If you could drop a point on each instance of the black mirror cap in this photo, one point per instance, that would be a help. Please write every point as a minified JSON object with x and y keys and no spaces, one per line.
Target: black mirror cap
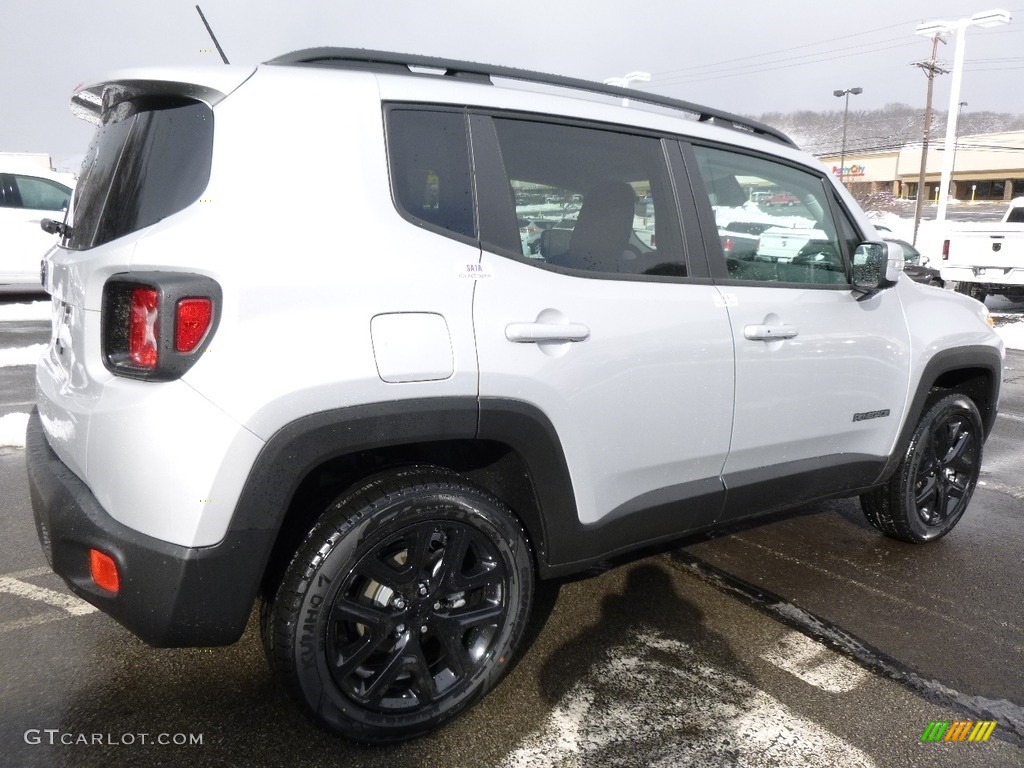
{"x":51,"y":227}
{"x":877,"y":265}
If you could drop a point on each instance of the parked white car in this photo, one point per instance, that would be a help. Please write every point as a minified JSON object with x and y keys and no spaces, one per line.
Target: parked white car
{"x":26,"y":198}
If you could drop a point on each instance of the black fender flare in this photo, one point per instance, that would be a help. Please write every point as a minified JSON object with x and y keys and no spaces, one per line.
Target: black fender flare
{"x":299,"y":447}
{"x":944,"y":362}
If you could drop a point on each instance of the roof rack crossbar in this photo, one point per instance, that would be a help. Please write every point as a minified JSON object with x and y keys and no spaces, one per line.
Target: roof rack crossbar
{"x":365,"y":58}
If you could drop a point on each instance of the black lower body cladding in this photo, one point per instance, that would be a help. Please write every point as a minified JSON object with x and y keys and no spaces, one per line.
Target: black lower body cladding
{"x":170,"y":596}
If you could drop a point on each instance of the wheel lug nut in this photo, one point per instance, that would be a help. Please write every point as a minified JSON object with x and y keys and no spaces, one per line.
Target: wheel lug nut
{"x":437,"y":606}
{"x":400,"y":630}
{"x":423,"y":629}
{"x":398,"y":603}
{"x":422,"y":590}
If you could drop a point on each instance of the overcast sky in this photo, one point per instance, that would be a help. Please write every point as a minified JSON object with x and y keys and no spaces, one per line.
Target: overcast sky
{"x":745,"y":56}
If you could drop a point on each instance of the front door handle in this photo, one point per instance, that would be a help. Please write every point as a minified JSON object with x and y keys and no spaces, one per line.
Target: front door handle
{"x":770,"y":332}
{"x":533,"y":333}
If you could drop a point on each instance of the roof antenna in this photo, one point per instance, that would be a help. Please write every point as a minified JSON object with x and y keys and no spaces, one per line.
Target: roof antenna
{"x":212,"y":36}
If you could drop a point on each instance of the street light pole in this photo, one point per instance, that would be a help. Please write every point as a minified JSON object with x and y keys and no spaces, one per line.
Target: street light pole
{"x":846,"y":112}
{"x":956,"y":137}
{"x":991,"y":18}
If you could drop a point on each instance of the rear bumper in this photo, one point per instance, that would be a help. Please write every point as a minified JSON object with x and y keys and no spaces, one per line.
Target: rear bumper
{"x":1009,"y":276}
{"x":170,"y":596}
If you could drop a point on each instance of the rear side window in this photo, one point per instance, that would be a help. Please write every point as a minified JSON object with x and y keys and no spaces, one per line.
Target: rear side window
{"x":150,"y":158}
{"x":430,"y":178}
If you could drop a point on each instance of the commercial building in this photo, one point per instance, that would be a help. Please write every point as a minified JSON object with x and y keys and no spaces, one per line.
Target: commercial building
{"x":987,"y":166}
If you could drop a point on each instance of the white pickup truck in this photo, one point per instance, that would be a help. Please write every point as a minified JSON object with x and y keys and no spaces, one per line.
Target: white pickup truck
{"x":987,"y":259}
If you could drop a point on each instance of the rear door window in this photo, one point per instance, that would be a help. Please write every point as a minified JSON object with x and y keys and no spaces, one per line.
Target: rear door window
{"x":586,"y":199}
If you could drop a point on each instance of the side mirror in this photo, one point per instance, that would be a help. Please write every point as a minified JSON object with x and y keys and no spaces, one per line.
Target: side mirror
{"x":50,"y":226}
{"x":876,"y":266}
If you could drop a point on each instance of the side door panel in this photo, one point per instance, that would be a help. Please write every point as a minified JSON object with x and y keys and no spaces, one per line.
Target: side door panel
{"x":821,"y":378}
{"x":634,"y":372}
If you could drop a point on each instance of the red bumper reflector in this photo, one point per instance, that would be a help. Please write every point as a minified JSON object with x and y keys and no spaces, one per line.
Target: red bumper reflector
{"x":192,"y":322}
{"x":104,"y":571}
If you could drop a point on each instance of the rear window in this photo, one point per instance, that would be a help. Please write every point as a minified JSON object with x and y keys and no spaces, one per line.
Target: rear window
{"x":150,"y":158}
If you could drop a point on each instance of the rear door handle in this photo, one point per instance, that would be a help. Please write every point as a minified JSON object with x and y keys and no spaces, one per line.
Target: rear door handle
{"x":532,"y":333}
{"x":770,"y":332}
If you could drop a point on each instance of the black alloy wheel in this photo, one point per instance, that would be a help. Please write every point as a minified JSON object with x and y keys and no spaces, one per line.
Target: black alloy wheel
{"x":416,"y":616}
{"x":934,"y":482}
{"x":403,"y":607}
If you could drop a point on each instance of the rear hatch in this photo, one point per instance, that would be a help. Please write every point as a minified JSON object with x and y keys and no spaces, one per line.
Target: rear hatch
{"x":149,"y":159}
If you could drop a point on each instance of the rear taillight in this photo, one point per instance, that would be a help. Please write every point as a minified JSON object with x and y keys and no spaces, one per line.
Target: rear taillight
{"x":143,"y":327}
{"x":945,"y":250}
{"x":154,"y":324}
{"x":728,"y":244}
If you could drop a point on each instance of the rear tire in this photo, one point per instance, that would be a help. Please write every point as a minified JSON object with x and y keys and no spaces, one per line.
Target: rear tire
{"x":974,"y":290}
{"x":405,"y":605}
{"x":933,"y":484}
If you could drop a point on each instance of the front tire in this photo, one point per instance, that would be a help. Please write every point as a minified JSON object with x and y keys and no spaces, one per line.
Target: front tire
{"x":933,"y":484}
{"x":404,"y":606}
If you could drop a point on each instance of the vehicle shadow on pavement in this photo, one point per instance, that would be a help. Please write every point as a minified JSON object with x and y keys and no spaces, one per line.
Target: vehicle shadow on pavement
{"x":641,"y":676}
{"x":112,"y":690}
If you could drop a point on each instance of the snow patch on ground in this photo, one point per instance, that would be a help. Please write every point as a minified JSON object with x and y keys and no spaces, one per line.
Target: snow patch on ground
{"x":722,"y":719}
{"x":1013,"y":335}
{"x":26,"y":312}
{"x":12,"y":430}
{"x":21,"y":355}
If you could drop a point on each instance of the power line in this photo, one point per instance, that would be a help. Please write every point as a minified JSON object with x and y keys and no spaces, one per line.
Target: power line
{"x":751,"y":69}
{"x":782,"y":50}
{"x":735,"y":67}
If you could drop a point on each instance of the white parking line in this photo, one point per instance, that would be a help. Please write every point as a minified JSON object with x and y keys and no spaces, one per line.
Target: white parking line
{"x":31,"y":573}
{"x":31,"y":621}
{"x":64,"y":601}
{"x":815,"y":664}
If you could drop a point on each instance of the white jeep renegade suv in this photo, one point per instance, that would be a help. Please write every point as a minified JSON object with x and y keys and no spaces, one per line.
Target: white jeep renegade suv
{"x":301,"y":356}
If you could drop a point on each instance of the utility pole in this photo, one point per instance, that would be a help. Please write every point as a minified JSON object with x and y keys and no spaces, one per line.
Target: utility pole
{"x":931,"y":68}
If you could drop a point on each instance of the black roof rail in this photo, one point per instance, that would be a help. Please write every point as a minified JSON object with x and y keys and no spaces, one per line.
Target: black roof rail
{"x":361,"y":58}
